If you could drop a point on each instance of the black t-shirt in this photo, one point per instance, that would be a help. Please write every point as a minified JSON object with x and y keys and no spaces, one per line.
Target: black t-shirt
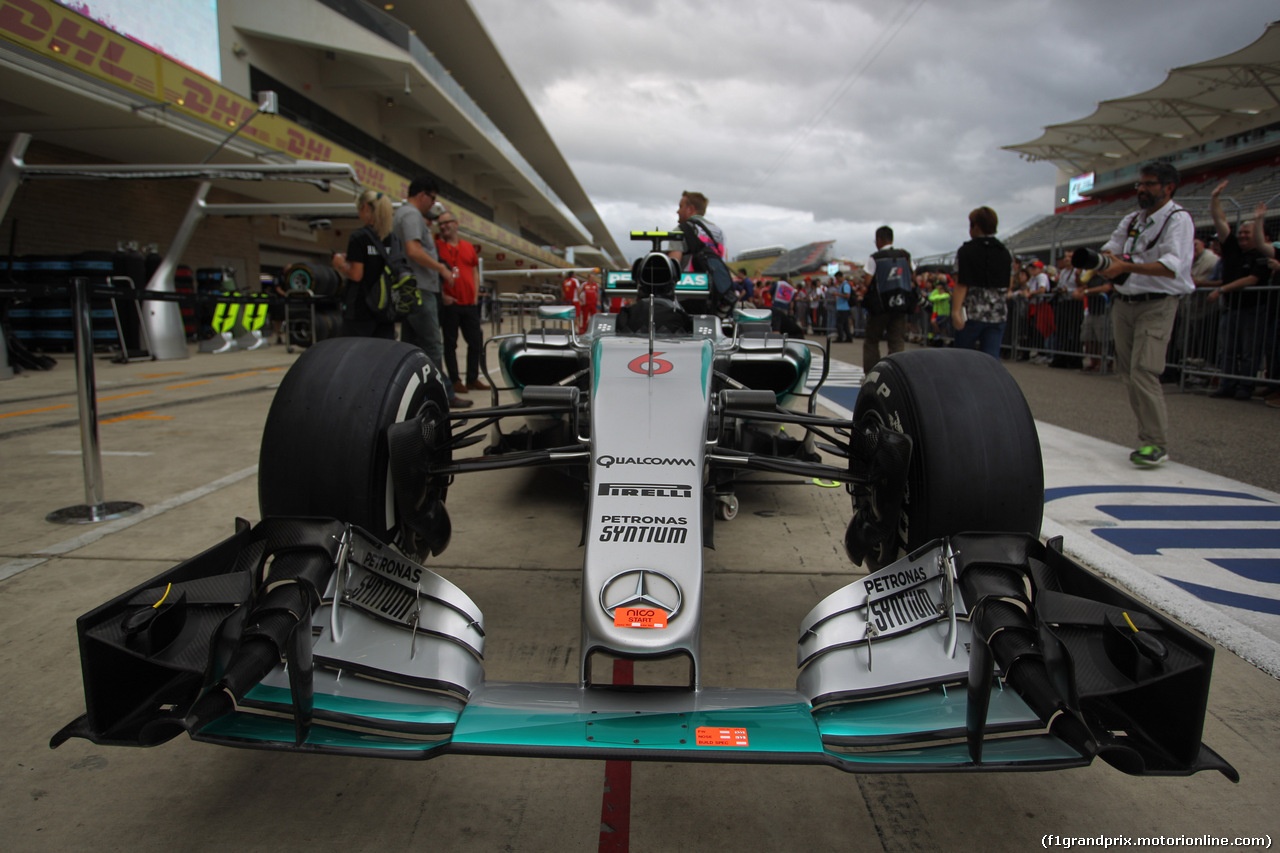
{"x":1236,"y":264}
{"x":984,"y":262}
{"x":361,"y":250}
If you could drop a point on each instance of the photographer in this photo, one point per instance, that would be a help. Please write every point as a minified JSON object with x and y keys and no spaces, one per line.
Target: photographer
{"x":1148,"y":259}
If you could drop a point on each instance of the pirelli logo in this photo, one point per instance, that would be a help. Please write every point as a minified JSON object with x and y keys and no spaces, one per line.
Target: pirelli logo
{"x":644,"y":490}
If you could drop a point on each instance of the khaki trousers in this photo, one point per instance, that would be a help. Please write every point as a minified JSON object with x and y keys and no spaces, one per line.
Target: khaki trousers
{"x":891,"y":327}
{"x":1142,"y":331}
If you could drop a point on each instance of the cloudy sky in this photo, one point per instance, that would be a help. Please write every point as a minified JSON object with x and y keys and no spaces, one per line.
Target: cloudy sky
{"x":813,"y":120}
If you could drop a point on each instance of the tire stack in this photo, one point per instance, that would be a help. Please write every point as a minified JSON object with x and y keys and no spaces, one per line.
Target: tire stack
{"x":53,"y":327}
{"x":97,"y":267}
{"x":306,"y":279}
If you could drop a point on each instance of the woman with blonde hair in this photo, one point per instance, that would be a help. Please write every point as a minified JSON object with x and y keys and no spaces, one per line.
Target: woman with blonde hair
{"x":362,"y":266}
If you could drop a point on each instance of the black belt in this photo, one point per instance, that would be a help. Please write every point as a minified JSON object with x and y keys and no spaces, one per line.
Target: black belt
{"x":1140,"y":297}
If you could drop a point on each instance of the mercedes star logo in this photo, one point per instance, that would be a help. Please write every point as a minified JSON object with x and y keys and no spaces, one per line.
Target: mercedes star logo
{"x":650,"y":589}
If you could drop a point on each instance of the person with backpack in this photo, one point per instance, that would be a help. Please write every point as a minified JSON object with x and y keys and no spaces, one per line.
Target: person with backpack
{"x":363,"y":265}
{"x":704,"y":251}
{"x":889,"y":297}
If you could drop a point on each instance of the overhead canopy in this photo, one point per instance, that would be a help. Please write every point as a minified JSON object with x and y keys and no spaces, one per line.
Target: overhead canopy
{"x":1195,"y":104}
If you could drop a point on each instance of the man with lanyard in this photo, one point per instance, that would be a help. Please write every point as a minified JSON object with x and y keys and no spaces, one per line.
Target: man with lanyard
{"x":889,"y":296}
{"x":1153,"y":246}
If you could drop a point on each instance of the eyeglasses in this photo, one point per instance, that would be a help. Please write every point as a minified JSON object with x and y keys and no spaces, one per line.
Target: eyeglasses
{"x":1144,"y":184}
{"x":444,"y":222}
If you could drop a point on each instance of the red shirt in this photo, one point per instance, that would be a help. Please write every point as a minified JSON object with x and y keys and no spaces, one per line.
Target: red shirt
{"x":569,"y":290}
{"x":464,"y":260}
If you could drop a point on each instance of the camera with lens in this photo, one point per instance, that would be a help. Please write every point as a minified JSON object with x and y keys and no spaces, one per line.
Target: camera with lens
{"x":1090,"y":261}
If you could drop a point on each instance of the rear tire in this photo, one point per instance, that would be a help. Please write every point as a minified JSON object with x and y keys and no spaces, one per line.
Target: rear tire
{"x":324,"y":447}
{"x":975,"y":461}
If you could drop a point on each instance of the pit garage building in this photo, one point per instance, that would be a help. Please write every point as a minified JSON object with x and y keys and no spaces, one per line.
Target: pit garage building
{"x":393,"y":91}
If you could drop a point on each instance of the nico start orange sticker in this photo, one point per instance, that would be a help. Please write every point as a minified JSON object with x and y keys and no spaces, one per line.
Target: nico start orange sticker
{"x":639,"y":617}
{"x":709,"y":736}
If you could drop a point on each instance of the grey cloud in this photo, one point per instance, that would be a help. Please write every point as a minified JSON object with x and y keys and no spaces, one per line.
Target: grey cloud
{"x":648,"y":99}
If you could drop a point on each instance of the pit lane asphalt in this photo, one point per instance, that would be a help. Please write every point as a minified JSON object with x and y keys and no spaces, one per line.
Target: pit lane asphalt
{"x":514,"y":552}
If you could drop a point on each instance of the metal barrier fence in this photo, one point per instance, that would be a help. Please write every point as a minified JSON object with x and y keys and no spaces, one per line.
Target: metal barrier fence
{"x":1234,"y":338}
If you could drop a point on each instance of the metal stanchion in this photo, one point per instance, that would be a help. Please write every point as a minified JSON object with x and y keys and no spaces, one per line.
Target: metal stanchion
{"x":6,"y":372}
{"x":94,"y":508}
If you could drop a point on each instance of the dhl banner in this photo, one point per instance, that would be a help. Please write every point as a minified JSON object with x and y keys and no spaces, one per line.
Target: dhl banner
{"x":53,"y":31}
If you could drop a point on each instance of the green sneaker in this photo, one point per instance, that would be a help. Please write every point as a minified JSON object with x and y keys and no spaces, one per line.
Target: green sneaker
{"x":1149,"y":456}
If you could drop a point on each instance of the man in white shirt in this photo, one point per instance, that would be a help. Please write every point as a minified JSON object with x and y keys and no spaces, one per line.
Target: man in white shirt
{"x":1150,"y":256}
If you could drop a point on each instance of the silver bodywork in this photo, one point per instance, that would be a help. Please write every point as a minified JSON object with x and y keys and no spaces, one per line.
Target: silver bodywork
{"x":645,"y":492}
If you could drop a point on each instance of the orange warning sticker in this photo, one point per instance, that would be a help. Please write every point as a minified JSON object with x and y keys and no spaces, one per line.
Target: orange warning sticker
{"x":639,"y":617}
{"x":710,"y":736}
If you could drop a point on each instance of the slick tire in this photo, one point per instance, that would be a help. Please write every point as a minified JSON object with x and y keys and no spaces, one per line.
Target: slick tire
{"x":975,"y":460}
{"x":324,"y":447}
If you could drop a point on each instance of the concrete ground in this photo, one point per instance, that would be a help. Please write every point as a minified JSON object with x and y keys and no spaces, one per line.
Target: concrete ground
{"x":197,"y":422}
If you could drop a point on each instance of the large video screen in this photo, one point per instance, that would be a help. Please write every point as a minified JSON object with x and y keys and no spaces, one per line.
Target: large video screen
{"x":185,"y":30}
{"x":1079,"y":185}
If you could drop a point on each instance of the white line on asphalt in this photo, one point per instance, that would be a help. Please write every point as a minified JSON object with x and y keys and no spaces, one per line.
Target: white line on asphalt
{"x":13,"y":567}
{"x":101,"y":453}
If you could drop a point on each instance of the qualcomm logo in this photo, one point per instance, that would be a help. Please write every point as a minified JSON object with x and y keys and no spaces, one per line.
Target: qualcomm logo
{"x":1221,"y":546}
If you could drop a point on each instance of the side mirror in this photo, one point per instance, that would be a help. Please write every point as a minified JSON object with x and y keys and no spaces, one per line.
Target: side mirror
{"x":557,"y":312}
{"x":752,"y":315}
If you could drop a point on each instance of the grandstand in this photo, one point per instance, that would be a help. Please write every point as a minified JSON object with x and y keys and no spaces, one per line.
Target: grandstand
{"x":1215,"y":120}
{"x":810,"y":258}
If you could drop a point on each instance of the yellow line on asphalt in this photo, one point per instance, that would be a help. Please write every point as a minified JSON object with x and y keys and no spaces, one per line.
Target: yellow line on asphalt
{"x":139,"y":416}
{"x":35,"y":411}
{"x":122,"y":396}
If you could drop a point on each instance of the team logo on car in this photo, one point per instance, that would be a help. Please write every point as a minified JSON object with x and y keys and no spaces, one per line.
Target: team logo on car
{"x":657,"y":529}
{"x":640,"y":591}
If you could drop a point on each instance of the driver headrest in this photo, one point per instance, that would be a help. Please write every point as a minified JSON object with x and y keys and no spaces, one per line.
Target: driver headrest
{"x":655,"y":274}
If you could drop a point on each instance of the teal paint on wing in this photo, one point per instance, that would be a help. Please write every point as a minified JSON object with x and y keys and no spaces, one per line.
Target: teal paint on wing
{"x":250,"y":727}
{"x":919,"y":713}
{"x":395,"y":712}
{"x":775,"y":729}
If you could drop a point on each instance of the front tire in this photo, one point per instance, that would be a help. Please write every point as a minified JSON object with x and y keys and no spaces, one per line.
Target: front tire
{"x":975,"y":460}
{"x":324,"y":447}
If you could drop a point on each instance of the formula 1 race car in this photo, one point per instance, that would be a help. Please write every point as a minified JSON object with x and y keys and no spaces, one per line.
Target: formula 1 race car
{"x":971,"y":646}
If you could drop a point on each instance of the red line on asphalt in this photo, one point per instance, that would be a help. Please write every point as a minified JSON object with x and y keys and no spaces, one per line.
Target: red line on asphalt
{"x":615,"y":806}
